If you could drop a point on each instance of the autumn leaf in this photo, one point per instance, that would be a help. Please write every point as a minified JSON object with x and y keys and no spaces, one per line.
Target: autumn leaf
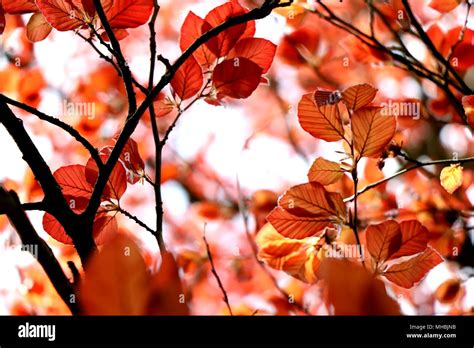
{"x":325,"y":172}
{"x":188,"y":80}
{"x":117,"y":281}
{"x":19,"y":6}
{"x":321,"y":122}
{"x":383,"y":240}
{"x":299,"y":46}
{"x":62,"y":15}
{"x":451,"y":177}
{"x":352,"y":290}
{"x":2,"y":19}
{"x":296,"y":257}
{"x":414,"y":239}
{"x":225,"y":41}
{"x":38,"y":28}
{"x":133,"y":162}
{"x":312,"y":200}
{"x":406,"y":274}
{"x":236,"y":78}
{"x":372,"y":131}
{"x":358,"y":96}
{"x":259,"y":51}
{"x":444,"y":6}
{"x":166,"y":291}
{"x":73,"y":182}
{"x":297,"y":227}
{"x":192,"y":28}
{"x":117,"y":184}
{"x":123,"y":14}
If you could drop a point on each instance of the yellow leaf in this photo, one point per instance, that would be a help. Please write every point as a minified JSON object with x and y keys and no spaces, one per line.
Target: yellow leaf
{"x":451,"y":177}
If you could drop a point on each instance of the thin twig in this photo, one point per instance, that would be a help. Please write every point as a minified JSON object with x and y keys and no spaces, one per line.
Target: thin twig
{"x":214,"y":272}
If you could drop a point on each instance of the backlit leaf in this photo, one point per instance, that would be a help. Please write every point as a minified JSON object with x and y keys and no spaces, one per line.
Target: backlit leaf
{"x":451,"y":177}
{"x":38,"y":28}
{"x":358,"y":96}
{"x":123,"y":14}
{"x":414,"y":239}
{"x":193,"y":27}
{"x":236,"y":78}
{"x":19,"y":6}
{"x":408,"y":273}
{"x":444,"y":6}
{"x":383,"y":240}
{"x":321,"y":122}
{"x":188,"y":80}
{"x":372,"y":131}
{"x":325,"y":172}
{"x":259,"y":51}
{"x":62,"y":15}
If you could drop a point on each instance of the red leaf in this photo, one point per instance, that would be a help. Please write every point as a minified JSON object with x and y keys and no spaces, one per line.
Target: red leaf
{"x":62,"y":15}
{"x":322,"y":122}
{"x":193,"y":27}
{"x":117,"y":184}
{"x":72,"y":180}
{"x":259,"y":51}
{"x":236,"y":78}
{"x":383,"y":240}
{"x":296,"y":227}
{"x":408,"y":273}
{"x":444,"y":6}
{"x":105,"y":228}
{"x":298,"y":46}
{"x":89,"y":7}
{"x":132,"y":161}
{"x":38,"y":28}
{"x":223,"y":43}
{"x":188,"y":80}
{"x":19,"y":6}
{"x":123,"y":14}
{"x":414,"y":239}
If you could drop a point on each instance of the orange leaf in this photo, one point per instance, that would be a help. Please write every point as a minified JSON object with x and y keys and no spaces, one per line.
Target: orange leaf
{"x":259,"y":51}
{"x":325,"y":172}
{"x":123,"y":14}
{"x":358,"y":96}
{"x":406,"y":274}
{"x":62,"y":15}
{"x":321,"y":122}
{"x":444,"y":6}
{"x":351,"y":290}
{"x":383,"y":240}
{"x":193,"y":27}
{"x":414,"y":239}
{"x":312,"y":200}
{"x":236,"y":78}
{"x":167,"y":295}
{"x":297,"y":227}
{"x":38,"y":28}
{"x":225,"y":41}
{"x":19,"y":6}
{"x":117,"y":281}
{"x":295,"y":257}
{"x":372,"y":131}
{"x":188,"y":80}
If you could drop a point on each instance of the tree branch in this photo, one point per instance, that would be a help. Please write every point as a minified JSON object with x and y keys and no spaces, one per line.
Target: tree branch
{"x":11,"y":206}
{"x":58,"y":123}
